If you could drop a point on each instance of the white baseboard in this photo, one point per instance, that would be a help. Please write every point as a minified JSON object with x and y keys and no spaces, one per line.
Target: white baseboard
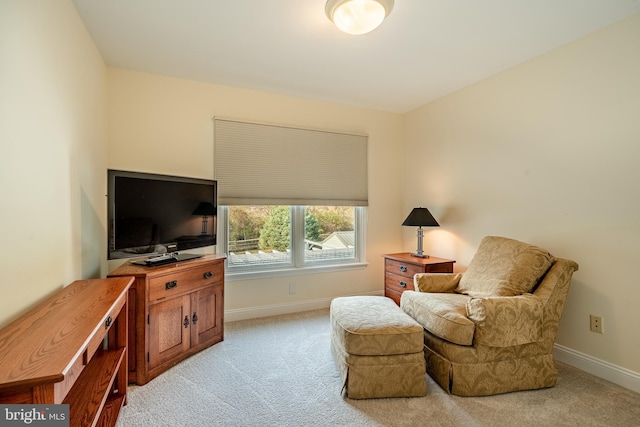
{"x":610,"y":372}
{"x":233,"y":315}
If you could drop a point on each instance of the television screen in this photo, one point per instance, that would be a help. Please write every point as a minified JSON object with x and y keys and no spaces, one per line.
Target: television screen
{"x":158,"y":214}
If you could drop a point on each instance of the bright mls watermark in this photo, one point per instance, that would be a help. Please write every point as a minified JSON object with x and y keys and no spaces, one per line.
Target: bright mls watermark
{"x":34,"y":415}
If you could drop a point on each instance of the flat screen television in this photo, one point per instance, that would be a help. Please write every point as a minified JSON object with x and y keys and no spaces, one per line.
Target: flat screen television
{"x":151,"y":214}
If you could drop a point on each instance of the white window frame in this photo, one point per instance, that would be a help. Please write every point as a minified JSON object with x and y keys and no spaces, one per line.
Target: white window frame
{"x":298,"y":264}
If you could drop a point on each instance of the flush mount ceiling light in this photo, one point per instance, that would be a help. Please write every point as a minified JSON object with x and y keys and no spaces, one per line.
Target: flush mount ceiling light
{"x":358,"y":16}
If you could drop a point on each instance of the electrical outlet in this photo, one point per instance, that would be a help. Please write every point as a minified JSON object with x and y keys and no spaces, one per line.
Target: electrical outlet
{"x":292,"y":288}
{"x":595,"y":323}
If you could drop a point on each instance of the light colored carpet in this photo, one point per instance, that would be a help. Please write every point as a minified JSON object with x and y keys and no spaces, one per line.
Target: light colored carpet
{"x":279,"y":371}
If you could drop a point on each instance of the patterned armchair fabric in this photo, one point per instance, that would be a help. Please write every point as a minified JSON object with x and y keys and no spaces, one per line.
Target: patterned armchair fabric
{"x":480,"y":341}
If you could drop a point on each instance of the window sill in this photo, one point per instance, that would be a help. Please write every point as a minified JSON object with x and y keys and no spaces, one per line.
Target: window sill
{"x":231,"y":276}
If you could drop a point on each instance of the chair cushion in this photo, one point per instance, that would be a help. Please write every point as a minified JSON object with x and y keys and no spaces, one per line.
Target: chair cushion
{"x":444,"y":315}
{"x":504,"y":267}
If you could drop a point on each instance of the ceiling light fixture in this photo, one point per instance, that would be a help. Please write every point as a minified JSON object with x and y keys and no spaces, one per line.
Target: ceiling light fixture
{"x":358,"y":16}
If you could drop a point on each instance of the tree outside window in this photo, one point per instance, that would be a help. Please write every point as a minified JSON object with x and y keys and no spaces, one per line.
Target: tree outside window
{"x":262,"y":235}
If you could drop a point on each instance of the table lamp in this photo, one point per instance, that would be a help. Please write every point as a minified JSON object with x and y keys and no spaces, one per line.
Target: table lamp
{"x":420,"y":217}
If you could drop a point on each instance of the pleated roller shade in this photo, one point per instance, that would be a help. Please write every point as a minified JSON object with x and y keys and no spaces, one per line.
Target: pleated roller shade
{"x":264,"y":164}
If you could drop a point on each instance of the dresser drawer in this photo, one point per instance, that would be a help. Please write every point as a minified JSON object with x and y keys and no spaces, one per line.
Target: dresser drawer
{"x":402,"y":268}
{"x":398,"y":283}
{"x":185,"y":281}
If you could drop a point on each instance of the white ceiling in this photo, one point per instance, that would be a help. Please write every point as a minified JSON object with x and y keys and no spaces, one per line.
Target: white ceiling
{"x":424,"y":50}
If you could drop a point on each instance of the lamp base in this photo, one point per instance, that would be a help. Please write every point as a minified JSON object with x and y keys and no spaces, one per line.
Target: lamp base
{"x":417,"y":255}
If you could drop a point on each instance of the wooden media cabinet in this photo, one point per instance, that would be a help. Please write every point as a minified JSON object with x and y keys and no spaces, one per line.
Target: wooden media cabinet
{"x":175,"y":311}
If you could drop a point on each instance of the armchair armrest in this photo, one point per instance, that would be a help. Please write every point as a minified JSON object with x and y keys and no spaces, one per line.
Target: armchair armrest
{"x":436,"y":282}
{"x":507,"y":321}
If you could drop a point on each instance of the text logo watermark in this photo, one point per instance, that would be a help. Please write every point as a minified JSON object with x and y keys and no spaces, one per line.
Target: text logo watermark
{"x":34,"y":415}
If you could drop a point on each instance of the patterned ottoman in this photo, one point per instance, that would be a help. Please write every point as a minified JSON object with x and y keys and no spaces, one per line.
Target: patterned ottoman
{"x":377,"y":347}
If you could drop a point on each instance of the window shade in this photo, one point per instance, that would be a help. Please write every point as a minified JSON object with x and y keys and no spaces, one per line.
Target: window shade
{"x":263,"y":164}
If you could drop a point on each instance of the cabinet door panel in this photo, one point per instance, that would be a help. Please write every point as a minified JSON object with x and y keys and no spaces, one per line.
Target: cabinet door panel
{"x":168,"y":336}
{"x":207,"y":307}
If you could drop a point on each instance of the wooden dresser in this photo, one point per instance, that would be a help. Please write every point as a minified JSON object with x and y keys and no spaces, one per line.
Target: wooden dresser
{"x":70,"y":349}
{"x":175,"y":310}
{"x":400,"y":268}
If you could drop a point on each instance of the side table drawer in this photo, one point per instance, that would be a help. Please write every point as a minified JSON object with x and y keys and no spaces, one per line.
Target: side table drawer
{"x":398,"y":283}
{"x":402,"y":268}
{"x":97,"y":340}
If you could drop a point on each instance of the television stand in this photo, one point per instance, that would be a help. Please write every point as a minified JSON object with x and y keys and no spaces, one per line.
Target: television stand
{"x":175,"y":311}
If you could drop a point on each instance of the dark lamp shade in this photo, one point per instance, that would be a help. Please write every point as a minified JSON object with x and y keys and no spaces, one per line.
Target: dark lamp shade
{"x":204,"y":209}
{"x":421,"y":217}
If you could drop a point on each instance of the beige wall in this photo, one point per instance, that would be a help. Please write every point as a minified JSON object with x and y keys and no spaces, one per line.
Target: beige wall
{"x":165,"y":125}
{"x":546,"y":152}
{"x":53,"y":136}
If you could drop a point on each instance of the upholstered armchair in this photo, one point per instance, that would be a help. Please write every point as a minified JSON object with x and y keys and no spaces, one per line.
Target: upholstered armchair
{"x":491,"y":329}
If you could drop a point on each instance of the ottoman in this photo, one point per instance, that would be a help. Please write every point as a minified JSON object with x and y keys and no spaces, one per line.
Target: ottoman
{"x":377,"y":347}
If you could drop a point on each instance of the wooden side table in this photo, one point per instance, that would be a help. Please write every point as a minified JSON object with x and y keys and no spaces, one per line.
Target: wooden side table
{"x":55,"y":353}
{"x":400,"y":268}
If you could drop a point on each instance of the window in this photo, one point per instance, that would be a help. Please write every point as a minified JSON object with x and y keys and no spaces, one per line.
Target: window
{"x":281,"y":238}
{"x":291,"y":200}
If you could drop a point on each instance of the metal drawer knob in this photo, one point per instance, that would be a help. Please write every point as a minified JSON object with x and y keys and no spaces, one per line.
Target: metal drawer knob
{"x":403,"y":284}
{"x":207,"y":275}
{"x":403,"y":268}
{"x":170,"y":285}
